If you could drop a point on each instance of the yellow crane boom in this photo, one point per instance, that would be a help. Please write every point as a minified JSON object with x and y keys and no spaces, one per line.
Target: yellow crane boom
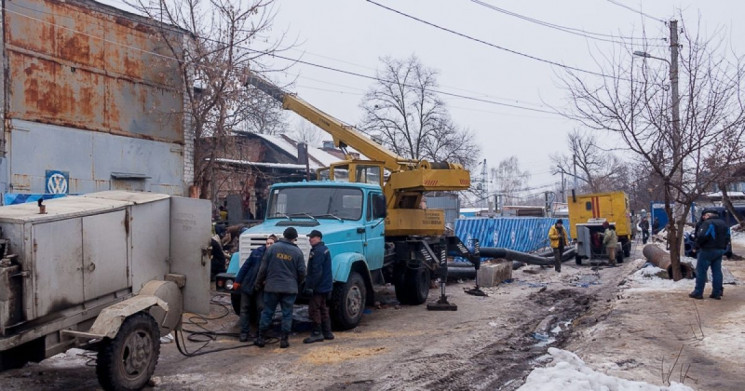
{"x":408,"y":179}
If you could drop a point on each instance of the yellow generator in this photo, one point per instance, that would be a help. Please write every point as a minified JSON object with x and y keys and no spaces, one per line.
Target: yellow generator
{"x":596,"y":208}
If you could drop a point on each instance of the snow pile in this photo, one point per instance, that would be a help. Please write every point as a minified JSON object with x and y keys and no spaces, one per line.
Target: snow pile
{"x":73,"y":358}
{"x":738,"y":239}
{"x":653,"y":278}
{"x":570,"y":373}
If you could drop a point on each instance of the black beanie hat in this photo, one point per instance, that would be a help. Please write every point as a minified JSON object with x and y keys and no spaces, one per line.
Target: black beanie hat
{"x":290,"y":233}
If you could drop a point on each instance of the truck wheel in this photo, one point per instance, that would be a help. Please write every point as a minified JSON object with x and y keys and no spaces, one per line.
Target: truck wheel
{"x":128,"y":361}
{"x":348,"y":302}
{"x":415,"y":287}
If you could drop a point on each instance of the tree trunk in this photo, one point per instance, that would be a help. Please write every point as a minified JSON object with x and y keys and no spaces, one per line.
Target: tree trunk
{"x":728,"y":204}
{"x":674,"y":238}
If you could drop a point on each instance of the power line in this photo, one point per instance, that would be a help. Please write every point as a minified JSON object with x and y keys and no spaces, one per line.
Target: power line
{"x":570,"y":30}
{"x":357,"y":74}
{"x":532,"y":57}
{"x":637,"y":11}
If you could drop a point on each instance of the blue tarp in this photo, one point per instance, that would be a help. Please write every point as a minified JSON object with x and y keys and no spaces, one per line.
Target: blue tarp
{"x":18,"y":198}
{"x":524,"y":234}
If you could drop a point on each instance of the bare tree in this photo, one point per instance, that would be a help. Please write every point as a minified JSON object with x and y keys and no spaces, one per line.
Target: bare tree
{"x":309,"y":134}
{"x":635,"y":103}
{"x":404,"y":113}
{"x":509,"y":180}
{"x":598,"y":170}
{"x":212,"y":60}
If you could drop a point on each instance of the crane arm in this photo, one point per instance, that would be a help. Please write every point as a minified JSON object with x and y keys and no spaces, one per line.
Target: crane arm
{"x":342,"y":134}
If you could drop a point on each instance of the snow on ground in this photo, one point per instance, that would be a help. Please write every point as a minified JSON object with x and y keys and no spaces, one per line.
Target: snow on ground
{"x":73,"y":358}
{"x":570,"y":373}
{"x":649,"y":279}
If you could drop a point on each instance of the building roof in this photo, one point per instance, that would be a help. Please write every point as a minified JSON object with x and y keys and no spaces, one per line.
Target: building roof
{"x":317,"y":158}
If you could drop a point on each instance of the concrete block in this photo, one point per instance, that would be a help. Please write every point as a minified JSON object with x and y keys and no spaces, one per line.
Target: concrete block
{"x":491,"y":274}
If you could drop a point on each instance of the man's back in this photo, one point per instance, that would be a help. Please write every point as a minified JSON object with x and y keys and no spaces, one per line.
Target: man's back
{"x":284,"y":268}
{"x":713,"y":234}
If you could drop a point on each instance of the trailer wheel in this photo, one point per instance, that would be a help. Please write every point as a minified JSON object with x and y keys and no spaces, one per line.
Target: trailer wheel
{"x":128,"y":361}
{"x":413,"y":288}
{"x":348,"y":302}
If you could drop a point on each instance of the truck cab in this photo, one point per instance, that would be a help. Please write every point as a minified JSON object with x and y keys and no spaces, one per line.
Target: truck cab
{"x":351,"y":218}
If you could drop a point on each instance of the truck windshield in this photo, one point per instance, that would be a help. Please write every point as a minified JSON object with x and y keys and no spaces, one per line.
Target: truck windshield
{"x":344,"y":203}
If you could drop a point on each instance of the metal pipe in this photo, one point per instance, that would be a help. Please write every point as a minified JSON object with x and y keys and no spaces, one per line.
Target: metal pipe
{"x":661,"y":259}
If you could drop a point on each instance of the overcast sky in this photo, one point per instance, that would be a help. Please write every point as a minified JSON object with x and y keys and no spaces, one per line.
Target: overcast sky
{"x":351,"y":35}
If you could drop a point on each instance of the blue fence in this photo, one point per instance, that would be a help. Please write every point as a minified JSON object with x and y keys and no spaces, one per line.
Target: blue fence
{"x":18,"y":198}
{"x":524,"y":234}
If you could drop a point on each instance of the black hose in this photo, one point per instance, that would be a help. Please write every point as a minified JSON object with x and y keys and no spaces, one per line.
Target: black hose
{"x":205,"y":336}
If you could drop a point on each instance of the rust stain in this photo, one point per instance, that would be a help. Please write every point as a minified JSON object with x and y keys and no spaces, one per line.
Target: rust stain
{"x":80,"y":81}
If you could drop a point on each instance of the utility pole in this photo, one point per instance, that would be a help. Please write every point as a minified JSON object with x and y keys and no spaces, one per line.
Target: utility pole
{"x":563,"y":185}
{"x":574,"y":162}
{"x":676,"y":139}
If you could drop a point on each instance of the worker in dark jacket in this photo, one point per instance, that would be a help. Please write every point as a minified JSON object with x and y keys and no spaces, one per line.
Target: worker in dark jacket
{"x":712,"y":239}
{"x":318,"y":285}
{"x":282,"y":271}
{"x":644,"y":225}
{"x":244,"y":283}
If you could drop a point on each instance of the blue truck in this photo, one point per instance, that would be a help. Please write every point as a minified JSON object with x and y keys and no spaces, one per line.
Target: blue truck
{"x":371,"y":215}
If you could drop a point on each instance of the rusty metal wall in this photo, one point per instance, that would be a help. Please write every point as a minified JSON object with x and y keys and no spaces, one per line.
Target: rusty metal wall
{"x":91,"y":158}
{"x":78,"y":64}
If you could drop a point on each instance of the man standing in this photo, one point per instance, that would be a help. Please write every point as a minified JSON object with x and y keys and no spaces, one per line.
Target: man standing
{"x":644,"y":225}
{"x":318,"y":285}
{"x":559,"y":239}
{"x":610,"y":241}
{"x":282,"y":271}
{"x":245,"y":281}
{"x":712,"y":239}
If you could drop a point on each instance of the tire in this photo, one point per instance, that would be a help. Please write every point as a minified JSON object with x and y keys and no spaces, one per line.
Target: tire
{"x":578,"y":259}
{"x":348,"y":302}
{"x":128,"y":361}
{"x":413,"y":288}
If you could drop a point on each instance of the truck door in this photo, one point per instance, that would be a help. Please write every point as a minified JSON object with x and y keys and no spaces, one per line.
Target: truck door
{"x":374,"y":248}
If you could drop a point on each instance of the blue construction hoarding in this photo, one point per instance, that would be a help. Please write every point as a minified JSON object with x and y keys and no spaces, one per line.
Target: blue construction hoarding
{"x":524,"y":234}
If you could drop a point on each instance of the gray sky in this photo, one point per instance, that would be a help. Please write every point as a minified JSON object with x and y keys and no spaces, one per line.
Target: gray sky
{"x":353,"y":34}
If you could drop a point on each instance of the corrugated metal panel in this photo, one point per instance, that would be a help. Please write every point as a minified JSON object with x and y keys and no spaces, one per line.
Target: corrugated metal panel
{"x":74,"y":66}
{"x":90,"y":158}
{"x":519,"y":233}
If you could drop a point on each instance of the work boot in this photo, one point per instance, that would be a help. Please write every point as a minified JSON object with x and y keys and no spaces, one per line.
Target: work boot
{"x":327,"y":334}
{"x":715,"y":297}
{"x":315,"y":335}
{"x":283,"y":342}
{"x":259,"y":341}
{"x":243,"y":337}
{"x":695,"y":296}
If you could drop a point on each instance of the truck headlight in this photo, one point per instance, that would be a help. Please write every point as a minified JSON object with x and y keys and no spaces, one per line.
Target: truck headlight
{"x":229,"y":285}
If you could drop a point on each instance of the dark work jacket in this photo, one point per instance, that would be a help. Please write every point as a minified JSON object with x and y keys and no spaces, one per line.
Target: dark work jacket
{"x":250,"y":269}
{"x":218,"y":258}
{"x":713,"y":234}
{"x":644,"y":225}
{"x":282,"y":268}
{"x":319,"y":270}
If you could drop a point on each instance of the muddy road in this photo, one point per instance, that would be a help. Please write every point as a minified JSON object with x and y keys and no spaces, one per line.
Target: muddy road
{"x":488,"y":343}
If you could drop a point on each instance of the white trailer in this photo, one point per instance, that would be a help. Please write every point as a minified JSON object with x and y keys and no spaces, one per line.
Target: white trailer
{"x":110,"y":271}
